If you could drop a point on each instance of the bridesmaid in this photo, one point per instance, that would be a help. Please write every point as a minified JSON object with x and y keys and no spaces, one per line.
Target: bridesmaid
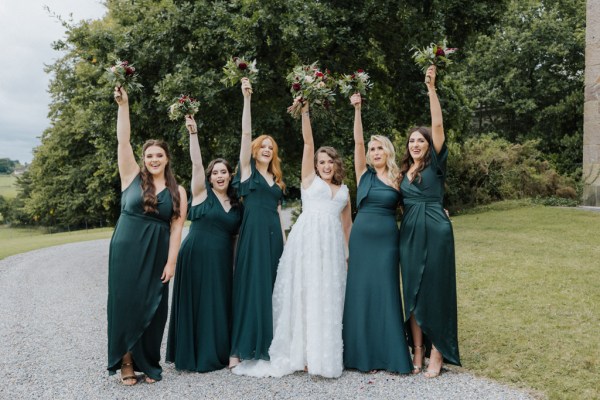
{"x":201,"y":307}
{"x":427,"y":244}
{"x":373,"y":329}
{"x":260,"y":185}
{"x":142,"y":255}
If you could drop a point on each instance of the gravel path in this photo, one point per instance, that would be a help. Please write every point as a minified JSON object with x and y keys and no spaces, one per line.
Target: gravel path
{"x":53,"y":346}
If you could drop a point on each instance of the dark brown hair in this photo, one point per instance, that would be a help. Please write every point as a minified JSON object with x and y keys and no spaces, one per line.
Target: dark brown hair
{"x":231,"y":192}
{"x":407,"y":159}
{"x":148,"y":189}
{"x":338,"y":174}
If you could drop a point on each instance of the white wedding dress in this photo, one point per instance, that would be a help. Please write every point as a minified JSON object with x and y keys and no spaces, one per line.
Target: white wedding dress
{"x":308,"y":297}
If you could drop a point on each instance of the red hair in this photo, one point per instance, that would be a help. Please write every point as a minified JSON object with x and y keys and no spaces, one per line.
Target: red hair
{"x":275,"y":164}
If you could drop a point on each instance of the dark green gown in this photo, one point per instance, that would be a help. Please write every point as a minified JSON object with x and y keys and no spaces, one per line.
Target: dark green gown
{"x":427,"y":258}
{"x":137,"y":299}
{"x":373,"y":329}
{"x":260,"y":245}
{"x":201,"y":305}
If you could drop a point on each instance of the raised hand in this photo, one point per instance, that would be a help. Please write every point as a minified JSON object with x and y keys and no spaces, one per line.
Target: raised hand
{"x":430,"y":76}
{"x":190,"y":124}
{"x":356,"y":100}
{"x":246,"y":87}
{"x":121,"y":95}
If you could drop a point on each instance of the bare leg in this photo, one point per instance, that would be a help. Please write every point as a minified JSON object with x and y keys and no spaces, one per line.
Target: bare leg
{"x":128,"y":377}
{"x":418,"y":348}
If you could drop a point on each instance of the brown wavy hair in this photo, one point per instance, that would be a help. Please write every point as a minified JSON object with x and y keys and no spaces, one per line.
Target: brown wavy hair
{"x":231,"y":192}
{"x":148,"y":189}
{"x":275,"y":164}
{"x":407,"y":160}
{"x":338,"y":174}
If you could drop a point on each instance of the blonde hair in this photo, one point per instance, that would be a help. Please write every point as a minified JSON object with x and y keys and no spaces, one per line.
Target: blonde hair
{"x":388,"y":148}
{"x":275,"y":164}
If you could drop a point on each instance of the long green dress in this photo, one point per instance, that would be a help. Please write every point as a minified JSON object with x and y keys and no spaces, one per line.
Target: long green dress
{"x":201,"y":305}
{"x":373,"y":329}
{"x":260,"y":245}
{"x":137,"y":298}
{"x":427,"y":258}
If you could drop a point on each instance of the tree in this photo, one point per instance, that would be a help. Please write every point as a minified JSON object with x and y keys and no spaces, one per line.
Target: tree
{"x":525,"y":79}
{"x":180,"y":47}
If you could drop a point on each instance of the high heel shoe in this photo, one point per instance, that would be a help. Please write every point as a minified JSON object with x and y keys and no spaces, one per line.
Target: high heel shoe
{"x":418,"y":368}
{"x":434,"y":373}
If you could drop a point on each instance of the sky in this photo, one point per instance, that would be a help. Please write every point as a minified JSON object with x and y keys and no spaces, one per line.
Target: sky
{"x":27,"y":31}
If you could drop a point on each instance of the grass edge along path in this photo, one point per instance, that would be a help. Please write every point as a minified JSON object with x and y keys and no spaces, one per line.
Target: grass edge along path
{"x":529,"y":298}
{"x":20,"y":240}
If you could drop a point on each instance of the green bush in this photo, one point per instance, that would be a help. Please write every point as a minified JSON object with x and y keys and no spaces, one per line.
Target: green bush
{"x":487,"y":168}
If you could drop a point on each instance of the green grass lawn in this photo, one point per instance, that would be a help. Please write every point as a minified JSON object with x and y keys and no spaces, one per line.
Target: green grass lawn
{"x":7,"y":186}
{"x":528,"y":294}
{"x":529,"y":298}
{"x":19,"y":240}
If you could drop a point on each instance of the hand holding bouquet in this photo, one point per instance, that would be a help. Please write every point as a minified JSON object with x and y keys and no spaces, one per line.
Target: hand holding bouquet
{"x":435,"y":54}
{"x":183,"y":106}
{"x":122,"y":74}
{"x":309,"y":84}
{"x":358,"y":82}
{"x":238,"y":68}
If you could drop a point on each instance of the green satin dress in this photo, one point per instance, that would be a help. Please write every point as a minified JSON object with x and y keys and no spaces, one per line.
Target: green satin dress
{"x":373,"y":329}
{"x":201,"y":305}
{"x":137,"y":304}
{"x":260,"y":245}
{"x":427,"y":258}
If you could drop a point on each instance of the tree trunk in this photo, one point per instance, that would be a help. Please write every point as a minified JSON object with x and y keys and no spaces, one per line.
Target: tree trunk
{"x":591,"y":119}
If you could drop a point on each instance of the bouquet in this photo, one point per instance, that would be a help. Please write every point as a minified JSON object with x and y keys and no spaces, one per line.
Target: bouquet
{"x":124,"y":75}
{"x":184,"y":105}
{"x":237,"y":68}
{"x":309,"y":84}
{"x":357,"y":82}
{"x":435,"y":54}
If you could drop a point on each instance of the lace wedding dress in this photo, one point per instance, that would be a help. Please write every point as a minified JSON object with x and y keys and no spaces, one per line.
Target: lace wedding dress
{"x":308,"y":297}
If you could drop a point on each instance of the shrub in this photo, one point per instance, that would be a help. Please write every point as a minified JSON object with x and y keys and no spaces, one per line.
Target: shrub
{"x":486,"y":169}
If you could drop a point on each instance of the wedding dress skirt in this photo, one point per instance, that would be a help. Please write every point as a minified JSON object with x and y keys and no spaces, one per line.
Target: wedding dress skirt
{"x":308,"y":297}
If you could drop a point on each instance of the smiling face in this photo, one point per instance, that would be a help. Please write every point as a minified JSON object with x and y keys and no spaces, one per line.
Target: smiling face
{"x":377,"y":154}
{"x":264,"y":154}
{"x":220,"y":177}
{"x":325,"y":166}
{"x":155,"y":160}
{"x":417,"y":146}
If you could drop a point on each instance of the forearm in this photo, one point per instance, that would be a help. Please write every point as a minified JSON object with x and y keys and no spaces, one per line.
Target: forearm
{"x":246,"y":145}
{"x":309,"y":147}
{"x":435,"y":108}
{"x":123,"y":125}
{"x":198,"y":178}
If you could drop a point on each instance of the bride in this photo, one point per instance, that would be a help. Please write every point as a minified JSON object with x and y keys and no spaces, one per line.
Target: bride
{"x":308,"y":297}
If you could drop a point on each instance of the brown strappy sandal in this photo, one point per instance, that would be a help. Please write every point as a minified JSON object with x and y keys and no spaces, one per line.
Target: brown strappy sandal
{"x":128,"y":378}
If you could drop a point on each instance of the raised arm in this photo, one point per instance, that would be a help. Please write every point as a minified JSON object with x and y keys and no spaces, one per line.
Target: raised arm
{"x":437,"y":123}
{"x":308,"y":165}
{"x":175,"y":238}
{"x":128,"y":168}
{"x":246,"y":145}
{"x":360,"y":158}
{"x":198,"y":178}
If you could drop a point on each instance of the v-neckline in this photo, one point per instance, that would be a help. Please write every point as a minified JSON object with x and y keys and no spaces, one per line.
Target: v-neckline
{"x":221,"y":204}
{"x":333,"y":195}
{"x":265,"y":179}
